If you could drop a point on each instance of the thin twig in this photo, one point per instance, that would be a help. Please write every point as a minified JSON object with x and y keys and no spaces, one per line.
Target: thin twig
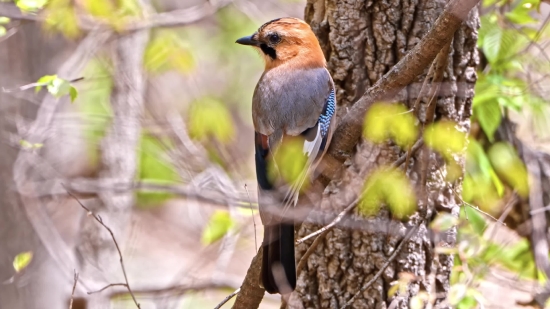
{"x":225,"y":300}
{"x":33,"y":85}
{"x":351,"y":206}
{"x":74,"y":288}
{"x":110,"y":285}
{"x":325,"y":229}
{"x":388,"y":262}
{"x":98,"y":219}
{"x":253,"y":220}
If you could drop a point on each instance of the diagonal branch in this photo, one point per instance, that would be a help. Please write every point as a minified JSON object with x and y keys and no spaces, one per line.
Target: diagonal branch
{"x":402,"y":74}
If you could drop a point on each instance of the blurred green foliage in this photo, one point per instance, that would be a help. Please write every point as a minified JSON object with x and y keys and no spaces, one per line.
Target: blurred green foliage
{"x":168,"y":51}
{"x":3,"y":21}
{"x":61,"y":17}
{"x":390,"y":187}
{"x":208,"y":117}
{"x":289,"y":163}
{"x":390,"y":121}
{"x":58,"y":87}
{"x":30,"y":5}
{"x":22,"y":260}
{"x":219,"y":224}
{"x":155,"y":167}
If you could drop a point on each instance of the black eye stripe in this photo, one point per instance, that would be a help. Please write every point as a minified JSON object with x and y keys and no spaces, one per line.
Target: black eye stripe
{"x":270,"y":51}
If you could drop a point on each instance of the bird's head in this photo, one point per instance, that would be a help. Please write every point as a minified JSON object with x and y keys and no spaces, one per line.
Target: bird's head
{"x":286,"y":41}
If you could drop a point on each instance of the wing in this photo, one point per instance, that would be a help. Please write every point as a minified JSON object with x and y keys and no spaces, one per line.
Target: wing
{"x":315,"y":141}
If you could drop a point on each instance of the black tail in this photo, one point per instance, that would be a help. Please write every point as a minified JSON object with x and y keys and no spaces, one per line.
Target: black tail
{"x":279,"y":264}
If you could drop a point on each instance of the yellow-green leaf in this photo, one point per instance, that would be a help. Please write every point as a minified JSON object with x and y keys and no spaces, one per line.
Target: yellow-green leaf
{"x":167,"y":51}
{"x":510,"y":167}
{"x":219,"y":224}
{"x":388,"y":186}
{"x":209,"y":118}
{"x":445,"y":138}
{"x":22,"y":260}
{"x":73,"y":93}
{"x":289,"y":162}
{"x":390,"y":121}
{"x":30,"y":5}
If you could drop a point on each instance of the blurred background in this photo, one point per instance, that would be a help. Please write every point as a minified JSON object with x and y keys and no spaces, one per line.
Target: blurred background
{"x":83,"y":83}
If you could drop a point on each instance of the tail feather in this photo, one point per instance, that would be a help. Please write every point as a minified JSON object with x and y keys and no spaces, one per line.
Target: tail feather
{"x":279,"y":265}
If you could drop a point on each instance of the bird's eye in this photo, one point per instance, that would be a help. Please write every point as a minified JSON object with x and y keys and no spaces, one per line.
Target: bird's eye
{"x":274,"y":38}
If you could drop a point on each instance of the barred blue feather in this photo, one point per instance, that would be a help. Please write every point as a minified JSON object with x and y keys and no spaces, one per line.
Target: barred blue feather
{"x":328,"y":112}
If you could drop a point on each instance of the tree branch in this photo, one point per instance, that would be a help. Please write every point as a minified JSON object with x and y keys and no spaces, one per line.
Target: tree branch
{"x":402,"y":74}
{"x":176,"y":18}
{"x":98,"y":219}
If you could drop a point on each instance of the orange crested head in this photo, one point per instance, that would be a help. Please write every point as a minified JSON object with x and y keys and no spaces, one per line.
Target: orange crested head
{"x":286,"y":41}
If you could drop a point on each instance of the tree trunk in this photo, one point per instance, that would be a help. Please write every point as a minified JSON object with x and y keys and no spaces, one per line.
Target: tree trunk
{"x":362,"y":41}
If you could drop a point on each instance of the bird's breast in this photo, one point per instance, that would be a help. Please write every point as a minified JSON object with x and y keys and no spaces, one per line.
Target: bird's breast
{"x":289,"y":101}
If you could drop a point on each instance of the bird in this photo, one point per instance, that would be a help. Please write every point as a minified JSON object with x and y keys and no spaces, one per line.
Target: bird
{"x":294,"y":102}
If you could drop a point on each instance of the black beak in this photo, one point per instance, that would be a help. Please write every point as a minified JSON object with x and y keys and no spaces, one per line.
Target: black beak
{"x":247,"y":40}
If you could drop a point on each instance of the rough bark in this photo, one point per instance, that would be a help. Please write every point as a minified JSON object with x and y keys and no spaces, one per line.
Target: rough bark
{"x":362,"y":41}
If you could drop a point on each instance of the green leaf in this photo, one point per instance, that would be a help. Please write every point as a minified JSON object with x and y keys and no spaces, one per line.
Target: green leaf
{"x":155,"y":168}
{"x":219,"y":224}
{"x":477,"y":161}
{"x":209,"y":117}
{"x":22,"y":260}
{"x":510,"y":167}
{"x":521,"y":13}
{"x":500,"y":44}
{"x":386,"y":120}
{"x":4,"y":20}
{"x":489,"y":117}
{"x":3,"y":31}
{"x":62,"y":18}
{"x":445,"y":138}
{"x":44,"y":80}
{"x":476,"y":220}
{"x":30,"y":5}
{"x":167,"y":51}
{"x":289,"y":162}
{"x":492,"y":43}
{"x":388,"y":186}
{"x":73,"y":93}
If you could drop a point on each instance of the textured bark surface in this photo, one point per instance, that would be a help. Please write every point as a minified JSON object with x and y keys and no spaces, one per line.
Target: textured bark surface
{"x":362,"y":41}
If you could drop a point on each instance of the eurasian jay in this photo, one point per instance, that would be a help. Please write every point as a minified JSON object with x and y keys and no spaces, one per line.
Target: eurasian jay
{"x":294,"y":99}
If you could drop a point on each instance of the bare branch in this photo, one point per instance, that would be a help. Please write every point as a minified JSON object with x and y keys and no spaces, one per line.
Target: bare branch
{"x":74,"y":288}
{"x":225,"y":300}
{"x":182,"y":289}
{"x":400,"y":75}
{"x":251,"y":294}
{"x":176,"y":18}
{"x":94,"y":186}
{"x":98,"y":219}
{"x":110,"y":286}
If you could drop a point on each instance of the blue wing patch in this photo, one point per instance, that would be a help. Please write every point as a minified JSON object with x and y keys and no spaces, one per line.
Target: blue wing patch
{"x":328,"y":112}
